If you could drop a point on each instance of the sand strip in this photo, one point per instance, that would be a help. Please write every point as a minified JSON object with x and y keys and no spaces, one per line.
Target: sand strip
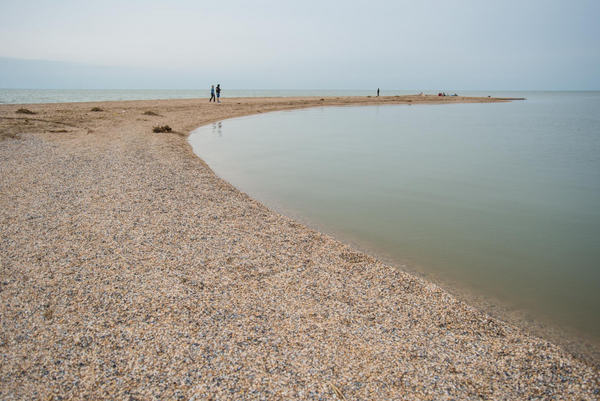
{"x":128,"y":270}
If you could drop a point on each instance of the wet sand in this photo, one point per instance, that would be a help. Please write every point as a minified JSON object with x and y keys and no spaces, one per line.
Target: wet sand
{"x":129,"y":270}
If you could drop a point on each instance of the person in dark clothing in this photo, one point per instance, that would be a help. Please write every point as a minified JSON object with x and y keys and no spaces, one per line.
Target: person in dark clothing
{"x":212,"y":94}
{"x":377,"y":92}
{"x":218,"y":93}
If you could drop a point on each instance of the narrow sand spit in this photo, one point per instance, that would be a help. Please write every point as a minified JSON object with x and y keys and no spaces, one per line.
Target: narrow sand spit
{"x":128,"y":270}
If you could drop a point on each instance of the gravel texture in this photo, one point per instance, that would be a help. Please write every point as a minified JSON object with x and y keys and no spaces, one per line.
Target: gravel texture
{"x":129,"y":270}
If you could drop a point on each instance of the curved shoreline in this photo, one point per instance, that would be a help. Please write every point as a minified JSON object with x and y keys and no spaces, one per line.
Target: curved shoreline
{"x":127,"y":264}
{"x":579,"y":344}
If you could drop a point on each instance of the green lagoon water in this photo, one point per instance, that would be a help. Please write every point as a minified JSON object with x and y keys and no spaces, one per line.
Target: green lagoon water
{"x":503,"y":198}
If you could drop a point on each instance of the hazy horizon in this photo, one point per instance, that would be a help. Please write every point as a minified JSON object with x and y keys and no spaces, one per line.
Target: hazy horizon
{"x":468,"y":45}
{"x":207,"y":89}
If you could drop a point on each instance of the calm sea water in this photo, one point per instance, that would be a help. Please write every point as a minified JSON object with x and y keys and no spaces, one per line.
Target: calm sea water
{"x":504,"y":198}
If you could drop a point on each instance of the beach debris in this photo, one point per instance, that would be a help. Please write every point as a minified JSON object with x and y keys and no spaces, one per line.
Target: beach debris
{"x":24,"y":111}
{"x":48,"y":314}
{"x":97,"y":109}
{"x":337,"y":392}
{"x":354,"y":257}
{"x":162,"y":128}
{"x":150,"y":113}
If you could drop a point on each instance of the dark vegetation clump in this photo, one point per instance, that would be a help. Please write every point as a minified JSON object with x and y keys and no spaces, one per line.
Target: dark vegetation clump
{"x":150,"y":113}
{"x":97,"y":109}
{"x":162,"y":128}
{"x":24,"y":111}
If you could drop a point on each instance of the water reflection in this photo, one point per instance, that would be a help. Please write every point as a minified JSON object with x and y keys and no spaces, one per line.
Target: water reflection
{"x":216,"y":128}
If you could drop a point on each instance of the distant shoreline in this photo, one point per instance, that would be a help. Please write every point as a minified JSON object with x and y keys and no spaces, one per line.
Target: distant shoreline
{"x":43,"y":96}
{"x":129,"y":261}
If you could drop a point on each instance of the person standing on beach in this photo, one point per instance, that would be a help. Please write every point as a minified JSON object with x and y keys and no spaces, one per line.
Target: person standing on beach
{"x":212,"y":94}
{"x":218,"y":93}
{"x":377,"y":92}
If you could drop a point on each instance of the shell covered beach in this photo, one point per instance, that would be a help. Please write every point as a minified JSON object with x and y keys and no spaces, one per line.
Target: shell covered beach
{"x":129,"y":270}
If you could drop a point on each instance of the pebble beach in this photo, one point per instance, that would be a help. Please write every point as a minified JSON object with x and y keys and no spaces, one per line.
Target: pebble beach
{"x":130,"y":271}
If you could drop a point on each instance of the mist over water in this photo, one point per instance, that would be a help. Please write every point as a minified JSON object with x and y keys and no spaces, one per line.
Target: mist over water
{"x":503,"y":197}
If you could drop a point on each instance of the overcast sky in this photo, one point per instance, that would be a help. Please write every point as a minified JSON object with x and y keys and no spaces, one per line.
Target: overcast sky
{"x":304,"y":44}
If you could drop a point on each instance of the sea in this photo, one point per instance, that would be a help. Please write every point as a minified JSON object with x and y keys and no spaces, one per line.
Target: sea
{"x":502,"y":199}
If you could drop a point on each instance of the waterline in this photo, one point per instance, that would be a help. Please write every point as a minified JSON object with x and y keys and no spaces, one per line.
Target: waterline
{"x":501,"y":197}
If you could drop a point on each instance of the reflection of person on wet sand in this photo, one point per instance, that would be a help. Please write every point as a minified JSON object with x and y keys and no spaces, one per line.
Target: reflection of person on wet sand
{"x":216,"y":128}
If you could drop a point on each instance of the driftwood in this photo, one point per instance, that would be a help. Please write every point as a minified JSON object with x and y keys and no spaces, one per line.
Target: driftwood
{"x":162,"y":128}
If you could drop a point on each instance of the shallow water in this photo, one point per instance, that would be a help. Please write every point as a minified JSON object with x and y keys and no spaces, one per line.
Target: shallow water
{"x":503,"y":198}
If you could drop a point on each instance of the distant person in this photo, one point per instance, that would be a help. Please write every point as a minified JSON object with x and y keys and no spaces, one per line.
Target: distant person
{"x":377,"y":92}
{"x":218,"y":93}
{"x":212,"y":94}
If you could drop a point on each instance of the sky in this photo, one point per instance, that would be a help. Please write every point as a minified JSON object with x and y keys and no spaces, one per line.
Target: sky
{"x":308,"y":44}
